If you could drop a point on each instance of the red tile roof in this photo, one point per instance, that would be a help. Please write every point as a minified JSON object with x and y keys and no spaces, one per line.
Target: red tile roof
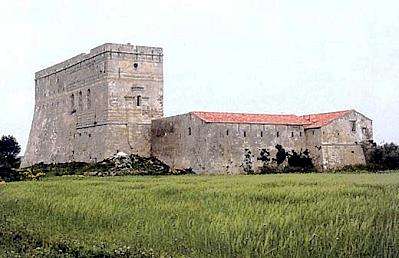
{"x":322,"y":119}
{"x":309,"y":121}
{"x":233,"y":118}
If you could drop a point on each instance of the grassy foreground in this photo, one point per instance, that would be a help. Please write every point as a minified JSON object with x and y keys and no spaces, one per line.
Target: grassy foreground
{"x":305,"y":215}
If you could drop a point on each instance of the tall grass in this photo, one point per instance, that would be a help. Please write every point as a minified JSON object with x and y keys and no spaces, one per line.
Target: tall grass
{"x":213,"y":216}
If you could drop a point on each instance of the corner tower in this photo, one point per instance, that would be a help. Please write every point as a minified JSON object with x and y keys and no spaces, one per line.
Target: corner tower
{"x":93,"y":105}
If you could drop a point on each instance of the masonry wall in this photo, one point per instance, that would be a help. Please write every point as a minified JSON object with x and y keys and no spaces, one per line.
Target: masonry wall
{"x":220,"y":147}
{"x":92,"y":105}
{"x":341,"y":140}
{"x":313,"y":144}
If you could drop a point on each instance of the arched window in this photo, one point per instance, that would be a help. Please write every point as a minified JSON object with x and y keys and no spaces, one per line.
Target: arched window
{"x":72,"y":102}
{"x":80,"y":101}
{"x":138,"y":101}
{"x":88,"y":99}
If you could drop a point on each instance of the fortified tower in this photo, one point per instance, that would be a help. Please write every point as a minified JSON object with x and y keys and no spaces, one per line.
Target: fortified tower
{"x":93,"y":105}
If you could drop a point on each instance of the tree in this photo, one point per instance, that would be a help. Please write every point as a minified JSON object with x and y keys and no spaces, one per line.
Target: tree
{"x":9,"y":150}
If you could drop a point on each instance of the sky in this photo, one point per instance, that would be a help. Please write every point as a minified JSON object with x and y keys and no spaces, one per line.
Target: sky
{"x":255,"y":56}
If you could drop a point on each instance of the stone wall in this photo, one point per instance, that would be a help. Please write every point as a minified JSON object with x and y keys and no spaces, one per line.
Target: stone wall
{"x":219,"y":147}
{"x":186,"y":141}
{"x":92,"y":105}
{"x":341,"y":140}
{"x":313,"y":144}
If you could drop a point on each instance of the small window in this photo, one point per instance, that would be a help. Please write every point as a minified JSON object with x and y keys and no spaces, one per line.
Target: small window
{"x":227,"y":132}
{"x":80,"y":101}
{"x":72,"y":102}
{"x":364,"y":130}
{"x":278,"y":134}
{"x":88,"y":99}
{"x":313,"y":132}
{"x":189,"y":131}
{"x":245,"y":134}
{"x":300,"y":134}
{"x":135,"y":65}
{"x":337,"y":134}
{"x":261,"y":133}
{"x":138,"y":100}
{"x":292,"y":134}
{"x":353,"y":125}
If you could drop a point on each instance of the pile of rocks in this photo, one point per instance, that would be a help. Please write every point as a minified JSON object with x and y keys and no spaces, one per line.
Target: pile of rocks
{"x":123,"y":164}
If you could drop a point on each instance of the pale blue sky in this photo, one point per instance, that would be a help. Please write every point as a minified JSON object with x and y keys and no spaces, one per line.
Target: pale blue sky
{"x":266,"y":56}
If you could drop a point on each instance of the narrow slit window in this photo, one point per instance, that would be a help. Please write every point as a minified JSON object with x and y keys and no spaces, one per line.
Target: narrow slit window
{"x":189,"y":131}
{"x":300,"y":134}
{"x":72,"y":102}
{"x":278,"y":134}
{"x":261,"y":133}
{"x":80,"y":101}
{"x":138,"y":100}
{"x":245,"y":134}
{"x":292,"y":134}
{"x":227,"y":132}
{"x":88,"y":100}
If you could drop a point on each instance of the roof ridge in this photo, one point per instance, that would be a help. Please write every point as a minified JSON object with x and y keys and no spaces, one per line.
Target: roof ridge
{"x":324,"y":113}
{"x":238,"y":113}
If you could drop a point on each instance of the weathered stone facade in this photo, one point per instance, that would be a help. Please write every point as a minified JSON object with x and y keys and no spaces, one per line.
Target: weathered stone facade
{"x":93,"y":105}
{"x":339,"y":142}
{"x":188,"y":141}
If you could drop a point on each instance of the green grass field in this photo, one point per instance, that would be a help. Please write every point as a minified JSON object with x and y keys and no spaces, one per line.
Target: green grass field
{"x":303,"y":215}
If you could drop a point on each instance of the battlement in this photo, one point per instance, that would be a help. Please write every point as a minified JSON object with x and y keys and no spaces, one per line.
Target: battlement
{"x":97,"y":52}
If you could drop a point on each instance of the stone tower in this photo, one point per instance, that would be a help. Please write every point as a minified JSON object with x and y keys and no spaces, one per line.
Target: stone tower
{"x":93,"y":105}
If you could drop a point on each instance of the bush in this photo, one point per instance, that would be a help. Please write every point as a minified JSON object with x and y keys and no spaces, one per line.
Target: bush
{"x":9,"y":150}
{"x":382,"y":157}
{"x":299,"y":162}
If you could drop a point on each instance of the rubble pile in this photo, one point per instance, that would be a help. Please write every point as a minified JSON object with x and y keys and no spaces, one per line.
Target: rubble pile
{"x":123,"y":164}
{"x":120,"y":164}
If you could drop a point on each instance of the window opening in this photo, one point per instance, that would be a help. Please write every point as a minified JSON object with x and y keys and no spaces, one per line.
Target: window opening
{"x":80,"y":101}
{"x":88,"y":99}
{"x":72,"y":102}
{"x":353,"y":126}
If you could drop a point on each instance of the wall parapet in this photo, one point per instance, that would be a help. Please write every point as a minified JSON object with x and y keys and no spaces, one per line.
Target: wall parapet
{"x":98,"y":51}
